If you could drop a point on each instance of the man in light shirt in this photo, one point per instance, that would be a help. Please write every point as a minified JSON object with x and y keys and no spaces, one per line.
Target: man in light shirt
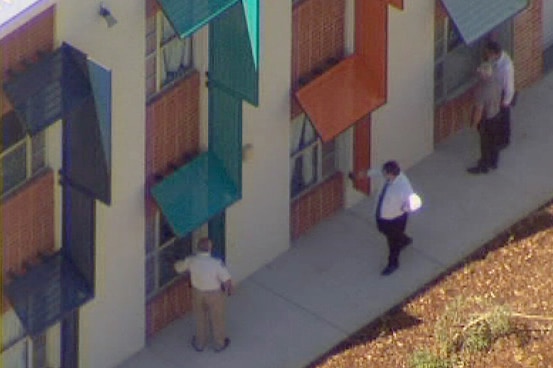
{"x":504,"y":72}
{"x":396,"y":199}
{"x":210,"y":282}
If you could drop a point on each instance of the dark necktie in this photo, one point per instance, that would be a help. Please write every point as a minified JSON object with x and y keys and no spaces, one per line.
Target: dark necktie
{"x":381,"y":199}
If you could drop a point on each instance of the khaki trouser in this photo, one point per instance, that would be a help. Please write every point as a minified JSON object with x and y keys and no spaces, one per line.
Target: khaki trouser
{"x":209,"y":306}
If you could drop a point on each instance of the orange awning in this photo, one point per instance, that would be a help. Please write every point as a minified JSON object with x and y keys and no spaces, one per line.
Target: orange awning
{"x":340,"y":97}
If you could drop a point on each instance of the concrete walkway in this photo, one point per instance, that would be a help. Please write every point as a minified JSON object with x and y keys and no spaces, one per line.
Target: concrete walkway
{"x":328,"y":285}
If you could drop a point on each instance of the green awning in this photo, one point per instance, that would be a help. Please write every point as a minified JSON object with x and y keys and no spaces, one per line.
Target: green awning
{"x":194,"y":193}
{"x":187,"y":16}
{"x":475,"y":18}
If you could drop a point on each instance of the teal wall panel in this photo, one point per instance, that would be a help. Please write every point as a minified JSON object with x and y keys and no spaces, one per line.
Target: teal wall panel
{"x":225,"y":132}
{"x":231,"y":63}
{"x":251,"y":9}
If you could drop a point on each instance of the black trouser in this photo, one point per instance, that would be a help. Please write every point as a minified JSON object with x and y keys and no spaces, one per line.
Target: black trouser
{"x":490,"y":133}
{"x":394,"y":231}
{"x":504,"y":131}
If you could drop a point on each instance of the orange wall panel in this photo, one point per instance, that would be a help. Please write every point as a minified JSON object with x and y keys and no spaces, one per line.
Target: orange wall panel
{"x":371,"y":39}
{"x":362,"y":153}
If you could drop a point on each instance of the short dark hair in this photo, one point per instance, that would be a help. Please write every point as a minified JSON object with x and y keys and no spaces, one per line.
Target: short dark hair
{"x":204,"y":245}
{"x":391,"y":167}
{"x":494,"y":47}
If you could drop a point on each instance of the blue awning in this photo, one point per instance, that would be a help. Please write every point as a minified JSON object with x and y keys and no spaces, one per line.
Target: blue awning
{"x":194,"y":193}
{"x":49,"y":89}
{"x":47,"y":292}
{"x":68,"y":85}
{"x":475,"y":18}
{"x":188,"y":16}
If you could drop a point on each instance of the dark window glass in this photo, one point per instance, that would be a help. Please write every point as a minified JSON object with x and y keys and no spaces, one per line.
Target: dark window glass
{"x":12,"y":130}
{"x":14,"y":168}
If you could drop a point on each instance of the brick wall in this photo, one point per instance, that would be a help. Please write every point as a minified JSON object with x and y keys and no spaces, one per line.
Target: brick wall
{"x":318,"y":40}
{"x":452,"y":116}
{"x":27,"y":224}
{"x":172,"y":138}
{"x":528,"y":62}
{"x":168,"y":306}
{"x":528,"y":47}
{"x":316,"y":205}
{"x":24,"y":44}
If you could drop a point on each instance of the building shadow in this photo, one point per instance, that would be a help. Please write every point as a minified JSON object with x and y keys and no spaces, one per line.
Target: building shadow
{"x":393,"y":321}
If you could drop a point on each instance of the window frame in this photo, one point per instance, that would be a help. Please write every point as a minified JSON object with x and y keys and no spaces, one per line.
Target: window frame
{"x":34,"y":347}
{"x":156,"y":252}
{"x":323,"y":152}
{"x":440,"y":61}
{"x":154,"y":50}
{"x":34,"y":146}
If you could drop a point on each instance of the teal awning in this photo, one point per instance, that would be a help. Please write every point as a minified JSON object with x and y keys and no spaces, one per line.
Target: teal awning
{"x":187,"y":16}
{"x":194,"y":193}
{"x":475,"y":18}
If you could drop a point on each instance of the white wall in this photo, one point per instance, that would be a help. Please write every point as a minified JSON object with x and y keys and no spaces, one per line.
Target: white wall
{"x":403,"y":128}
{"x":258,"y":225}
{"x":112,"y":324}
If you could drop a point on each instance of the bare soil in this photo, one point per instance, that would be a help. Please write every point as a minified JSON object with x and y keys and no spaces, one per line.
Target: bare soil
{"x":514,"y":270}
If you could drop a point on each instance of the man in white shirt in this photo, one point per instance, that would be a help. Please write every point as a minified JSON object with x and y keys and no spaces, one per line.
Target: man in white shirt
{"x":504,"y":72}
{"x":396,"y":199}
{"x":210,"y":282}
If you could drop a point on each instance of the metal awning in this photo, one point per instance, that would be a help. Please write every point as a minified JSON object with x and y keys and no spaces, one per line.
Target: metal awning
{"x":46,"y":293}
{"x":340,"y":97}
{"x":68,"y":85}
{"x":475,"y":18}
{"x":194,"y":193}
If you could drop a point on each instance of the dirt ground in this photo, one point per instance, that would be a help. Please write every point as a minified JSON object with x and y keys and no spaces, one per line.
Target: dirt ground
{"x":512,"y":273}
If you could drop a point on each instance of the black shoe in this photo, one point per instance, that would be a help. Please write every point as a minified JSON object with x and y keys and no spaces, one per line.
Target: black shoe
{"x":389,"y":269}
{"x":196,"y":347}
{"x":477,"y":170}
{"x":225,"y":345}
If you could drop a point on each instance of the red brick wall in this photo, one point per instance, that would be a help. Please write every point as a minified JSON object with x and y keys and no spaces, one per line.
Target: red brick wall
{"x":452,"y":116}
{"x":173,"y":136}
{"x":27,"y":224}
{"x":318,"y":204}
{"x":528,"y":61}
{"x":528,"y":47}
{"x":168,"y":306}
{"x":317,"y":37}
{"x":27,"y":215}
{"x":24,"y":44}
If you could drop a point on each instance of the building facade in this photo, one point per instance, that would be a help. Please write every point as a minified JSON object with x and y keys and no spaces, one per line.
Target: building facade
{"x":132,"y":130}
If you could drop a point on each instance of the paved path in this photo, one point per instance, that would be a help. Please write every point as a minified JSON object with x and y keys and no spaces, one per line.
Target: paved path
{"x":328,"y":284}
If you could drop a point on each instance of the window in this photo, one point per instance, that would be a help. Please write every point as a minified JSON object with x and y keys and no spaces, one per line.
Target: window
{"x":455,"y":61}
{"x":311,"y":160}
{"x":167,"y":56}
{"x":19,"y":351}
{"x":167,"y":248}
{"x":22,"y":156}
